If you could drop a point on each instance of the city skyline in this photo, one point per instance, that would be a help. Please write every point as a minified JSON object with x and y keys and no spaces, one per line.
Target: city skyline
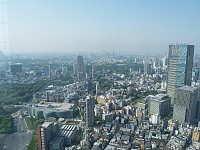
{"x":136,"y":27}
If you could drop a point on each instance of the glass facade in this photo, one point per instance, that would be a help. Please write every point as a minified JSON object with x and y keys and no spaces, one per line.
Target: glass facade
{"x":180,"y":66}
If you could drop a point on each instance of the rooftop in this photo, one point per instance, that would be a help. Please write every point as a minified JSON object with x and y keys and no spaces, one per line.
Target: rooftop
{"x":55,"y":105}
{"x":160,"y":97}
{"x":189,"y":88}
{"x":46,"y":124}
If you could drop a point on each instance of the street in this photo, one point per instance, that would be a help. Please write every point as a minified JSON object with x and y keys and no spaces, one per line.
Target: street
{"x":18,"y":140}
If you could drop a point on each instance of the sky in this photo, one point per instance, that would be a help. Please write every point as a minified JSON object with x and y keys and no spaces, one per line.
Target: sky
{"x":125,"y":26}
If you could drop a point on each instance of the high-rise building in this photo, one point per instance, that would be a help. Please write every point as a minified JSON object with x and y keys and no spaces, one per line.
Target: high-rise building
{"x":164,"y":62}
{"x":94,"y":71}
{"x":148,"y":68}
{"x":186,"y":106}
{"x":160,"y":104}
{"x":46,"y":132}
{"x":47,"y":71}
{"x":97,"y":88}
{"x":195,"y":74}
{"x":16,"y":68}
{"x":80,"y":68}
{"x":89,"y":111}
{"x":109,"y":106}
{"x":180,"y":64}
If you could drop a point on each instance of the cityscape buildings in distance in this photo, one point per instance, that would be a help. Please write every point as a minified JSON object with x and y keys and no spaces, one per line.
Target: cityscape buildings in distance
{"x":106,"y":100}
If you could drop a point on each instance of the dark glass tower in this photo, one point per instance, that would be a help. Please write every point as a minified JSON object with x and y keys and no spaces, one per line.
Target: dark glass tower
{"x":79,"y":68}
{"x":180,"y":66}
{"x":90,"y":111}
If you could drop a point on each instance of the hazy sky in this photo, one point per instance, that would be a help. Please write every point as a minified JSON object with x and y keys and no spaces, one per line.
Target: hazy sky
{"x":130,"y":26}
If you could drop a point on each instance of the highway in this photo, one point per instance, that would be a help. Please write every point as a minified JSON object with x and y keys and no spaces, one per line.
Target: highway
{"x":20,"y":139}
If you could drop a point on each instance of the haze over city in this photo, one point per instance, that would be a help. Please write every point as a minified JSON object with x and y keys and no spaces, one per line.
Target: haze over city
{"x":136,"y":27}
{"x":99,"y":75}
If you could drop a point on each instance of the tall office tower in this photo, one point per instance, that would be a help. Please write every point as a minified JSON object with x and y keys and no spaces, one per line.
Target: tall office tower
{"x":180,"y":64}
{"x":46,"y":132}
{"x":186,"y":106}
{"x":47,"y":71}
{"x":94,"y":71}
{"x":148,"y":68}
{"x":89,"y":111}
{"x":80,"y":68}
{"x":90,"y":86}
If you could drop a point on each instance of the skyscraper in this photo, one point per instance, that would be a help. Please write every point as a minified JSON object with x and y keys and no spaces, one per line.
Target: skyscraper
{"x":148,"y":68}
{"x":46,"y":132}
{"x":180,"y":66}
{"x":186,"y":106}
{"x":79,"y":68}
{"x":47,"y":71}
{"x":90,"y":111}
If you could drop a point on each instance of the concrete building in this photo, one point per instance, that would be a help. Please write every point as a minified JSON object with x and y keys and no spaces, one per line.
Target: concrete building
{"x":46,"y":132}
{"x":90,"y":102}
{"x":160,"y":104}
{"x":52,"y":109}
{"x":155,"y":119}
{"x":148,"y":68}
{"x":16,"y":68}
{"x":195,"y":74}
{"x":107,"y":116}
{"x":180,"y":64}
{"x":98,"y":111}
{"x":196,"y":135}
{"x":186,"y":106}
{"x":57,"y":143}
{"x":164,"y":62}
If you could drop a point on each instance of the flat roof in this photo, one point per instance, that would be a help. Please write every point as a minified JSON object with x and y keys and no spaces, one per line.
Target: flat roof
{"x":160,"y":97}
{"x":46,"y":124}
{"x":189,"y":88}
{"x":56,"y":105}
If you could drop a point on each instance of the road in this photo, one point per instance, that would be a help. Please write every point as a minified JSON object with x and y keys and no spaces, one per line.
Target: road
{"x":20,"y":139}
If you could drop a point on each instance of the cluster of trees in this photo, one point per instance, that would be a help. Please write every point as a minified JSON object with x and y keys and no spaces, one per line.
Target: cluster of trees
{"x":36,"y":122}
{"x":11,"y":94}
{"x":6,"y":122}
{"x":77,"y":138}
{"x":15,"y":93}
{"x":105,"y":83}
{"x":68,"y":79}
